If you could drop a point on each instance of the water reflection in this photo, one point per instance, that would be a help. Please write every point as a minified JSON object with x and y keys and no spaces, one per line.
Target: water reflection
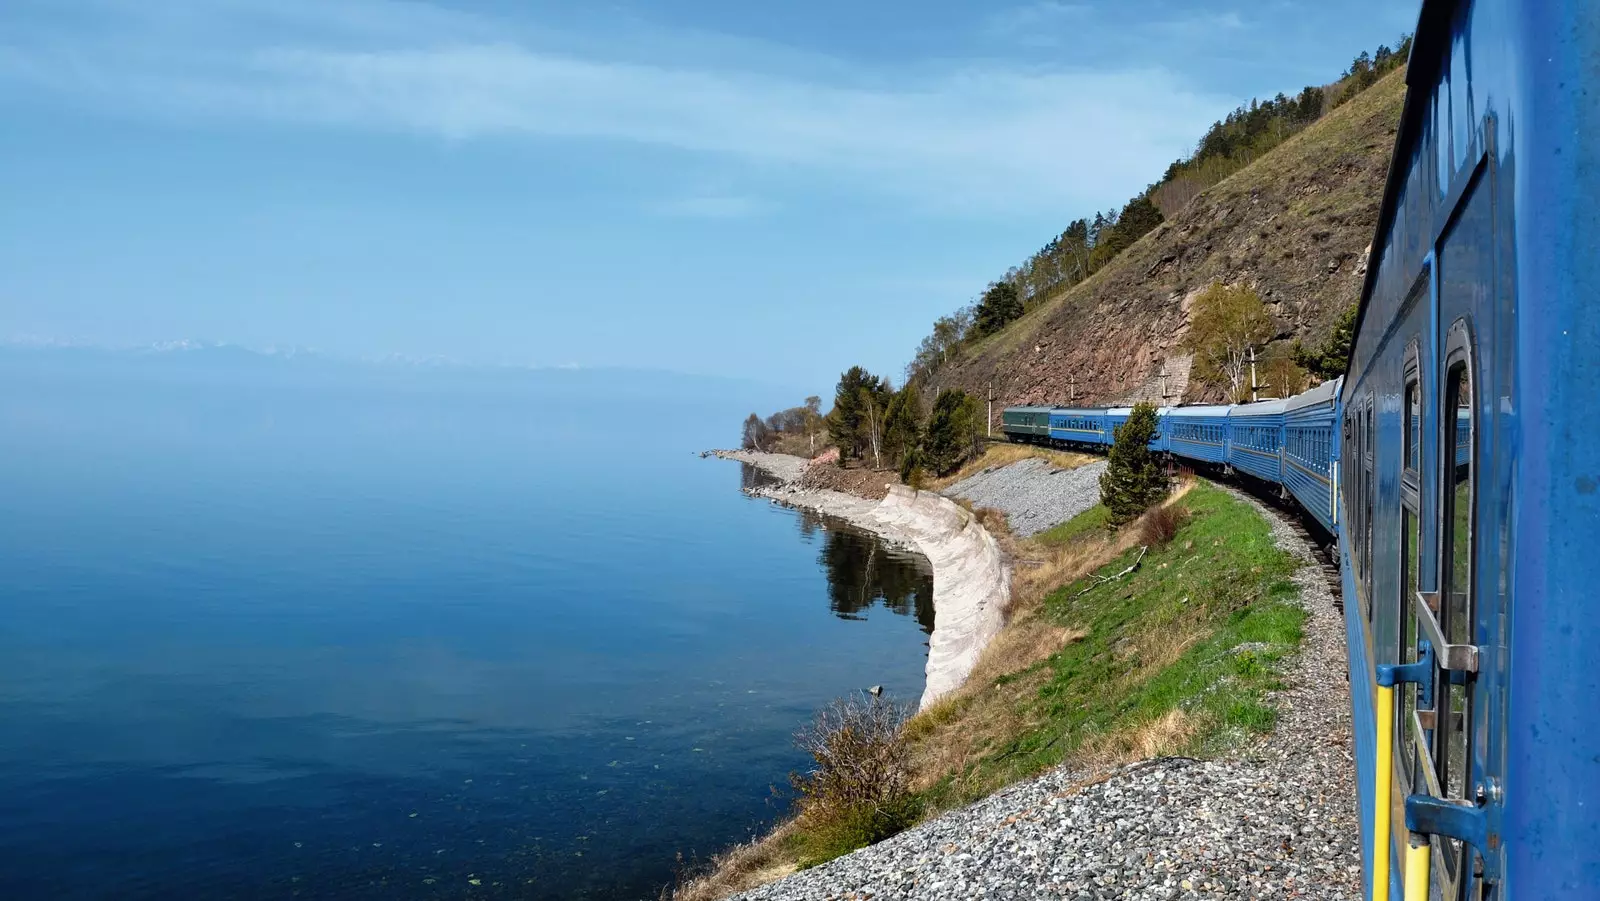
{"x":863,"y":571}
{"x":754,"y":477}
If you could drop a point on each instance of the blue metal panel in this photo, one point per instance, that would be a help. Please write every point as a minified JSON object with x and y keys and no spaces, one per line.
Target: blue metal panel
{"x":1493,"y":196}
{"x":1199,"y":433}
{"x":1552,"y":814}
{"x":1255,"y":439}
{"x":1077,"y":425}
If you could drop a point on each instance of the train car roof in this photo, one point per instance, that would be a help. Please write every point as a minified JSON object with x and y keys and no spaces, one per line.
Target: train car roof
{"x":1128,"y":411}
{"x":1260,"y":408}
{"x":1027,"y":409}
{"x":1085,"y":411}
{"x":1422,"y":68}
{"x":1200,"y":410}
{"x":1321,"y":394}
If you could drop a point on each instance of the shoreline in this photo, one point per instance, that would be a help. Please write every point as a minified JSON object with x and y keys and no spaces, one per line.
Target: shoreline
{"x":971,"y":578}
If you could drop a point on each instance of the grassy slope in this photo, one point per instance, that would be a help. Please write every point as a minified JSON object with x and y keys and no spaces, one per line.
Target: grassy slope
{"x":1174,"y":658}
{"x":1294,"y":223}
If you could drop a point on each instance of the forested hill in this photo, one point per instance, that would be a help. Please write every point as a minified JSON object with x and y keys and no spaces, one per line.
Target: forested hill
{"x":1294,"y":225}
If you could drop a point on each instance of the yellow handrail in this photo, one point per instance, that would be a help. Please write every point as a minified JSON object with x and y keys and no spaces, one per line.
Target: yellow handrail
{"x":1417,"y":860}
{"x":1383,"y":772}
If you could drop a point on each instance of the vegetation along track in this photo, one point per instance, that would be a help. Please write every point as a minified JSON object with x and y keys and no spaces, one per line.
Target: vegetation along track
{"x":1263,"y":816}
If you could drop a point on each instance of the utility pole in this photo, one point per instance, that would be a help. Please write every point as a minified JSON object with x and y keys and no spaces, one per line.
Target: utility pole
{"x":1163,"y":384}
{"x":988,"y":421}
{"x":1253,"y":385}
{"x":1072,"y":388}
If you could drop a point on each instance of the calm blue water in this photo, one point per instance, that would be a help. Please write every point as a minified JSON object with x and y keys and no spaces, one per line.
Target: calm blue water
{"x":323,"y":635}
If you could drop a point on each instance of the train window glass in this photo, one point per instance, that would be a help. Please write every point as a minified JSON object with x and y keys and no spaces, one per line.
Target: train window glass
{"x":1441,"y":132}
{"x":1454,"y":701}
{"x":1413,"y":425}
{"x":1366,"y":493}
{"x":1406,"y":738}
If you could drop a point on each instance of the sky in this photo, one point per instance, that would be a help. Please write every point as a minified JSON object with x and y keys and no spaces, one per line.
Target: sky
{"x":776,"y":189}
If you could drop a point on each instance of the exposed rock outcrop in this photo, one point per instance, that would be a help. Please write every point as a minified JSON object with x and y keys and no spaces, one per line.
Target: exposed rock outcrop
{"x":1295,"y":225}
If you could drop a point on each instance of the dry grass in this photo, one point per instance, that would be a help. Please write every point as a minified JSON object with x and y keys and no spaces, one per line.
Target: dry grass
{"x":997,"y":455}
{"x":1166,"y":734}
{"x":1159,"y":525}
{"x":742,"y":867}
{"x":1158,"y":648}
{"x":1040,"y":569}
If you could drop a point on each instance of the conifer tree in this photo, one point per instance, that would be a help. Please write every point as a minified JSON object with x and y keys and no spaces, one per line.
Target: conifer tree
{"x":951,"y":430}
{"x":858,"y":404}
{"x":902,"y":425}
{"x":1133,"y":480}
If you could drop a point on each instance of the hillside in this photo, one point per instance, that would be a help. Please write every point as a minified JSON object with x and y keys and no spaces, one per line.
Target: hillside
{"x":1296,"y":224}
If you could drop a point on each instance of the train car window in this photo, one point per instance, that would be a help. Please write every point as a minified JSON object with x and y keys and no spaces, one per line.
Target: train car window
{"x":1457,"y":607}
{"x":1453,"y":697}
{"x":1405,"y":737}
{"x":1366,"y":493}
{"x":1413,"y":425}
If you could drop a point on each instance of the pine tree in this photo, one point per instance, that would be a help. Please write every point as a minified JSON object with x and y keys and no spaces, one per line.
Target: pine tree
{"x":1000,"y":305}
{"x":1329,"y":358}
{"x":858,"y":404}
{"x":1133,"y":480}
{"x":954,"y":428}
{"x":902,"y":425}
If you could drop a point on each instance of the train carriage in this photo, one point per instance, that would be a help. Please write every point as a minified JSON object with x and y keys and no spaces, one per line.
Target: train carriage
{"x":1470,"y":460}
{"x":1078,"y":426}
{"x":1030,"y":425}
{"x":1458,"y":464}
{"x":1116,"y":416}
{"x":1310,"y":451}
{"x":1199,"y":433}
{"x":1255,"y":439}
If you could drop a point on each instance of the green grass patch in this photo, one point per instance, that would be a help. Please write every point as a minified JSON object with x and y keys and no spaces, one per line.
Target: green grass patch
{"x":1093,"y":521}
{"x":1179,"y":655}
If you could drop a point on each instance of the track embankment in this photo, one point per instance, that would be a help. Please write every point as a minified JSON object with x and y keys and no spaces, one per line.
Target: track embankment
{"x":971,"y":581}
{"x":1274,"y":819}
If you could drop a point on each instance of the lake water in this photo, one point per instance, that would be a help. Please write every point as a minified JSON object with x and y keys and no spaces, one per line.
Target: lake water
{"x":286,"y":632}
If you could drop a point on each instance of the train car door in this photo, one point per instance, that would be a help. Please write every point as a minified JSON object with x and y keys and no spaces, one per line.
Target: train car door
{"x":1460,"y":605}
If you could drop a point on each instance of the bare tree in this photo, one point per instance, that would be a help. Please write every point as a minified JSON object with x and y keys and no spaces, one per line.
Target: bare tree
{"x":1226,"y":325}
{"x":871,"y":405}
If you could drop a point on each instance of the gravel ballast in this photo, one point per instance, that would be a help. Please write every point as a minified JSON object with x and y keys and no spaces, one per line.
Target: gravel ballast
{"x":1033,"y":494}
{"x":1276,"y":821}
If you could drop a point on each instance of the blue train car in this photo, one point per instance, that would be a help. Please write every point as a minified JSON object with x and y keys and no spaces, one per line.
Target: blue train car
{"x":1078,"y":426}
{"x":1469,"y":483}
{"x":1198,"y":433}
{"x":1116,"y":416}
{"x":1310,"y":451}
{"x":1255,"y":439}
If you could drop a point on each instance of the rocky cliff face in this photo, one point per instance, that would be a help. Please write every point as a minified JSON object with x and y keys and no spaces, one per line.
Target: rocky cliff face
{"x":1296,"y":225}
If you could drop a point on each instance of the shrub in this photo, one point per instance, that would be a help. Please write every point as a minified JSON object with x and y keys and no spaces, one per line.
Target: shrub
{"x":859,"y":791}
{"x":1161,"y":524}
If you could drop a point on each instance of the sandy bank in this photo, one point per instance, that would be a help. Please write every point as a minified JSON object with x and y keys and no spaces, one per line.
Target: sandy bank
{"x":971,"y":583}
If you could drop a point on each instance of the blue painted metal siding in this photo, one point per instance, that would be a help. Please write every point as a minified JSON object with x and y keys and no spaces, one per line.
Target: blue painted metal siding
{"x":1203,"y":438}
{"x":1491,"y":205}
{"x":1255,"y":444}
{"x":1309,"y":442}
{"x":1078,"y":426}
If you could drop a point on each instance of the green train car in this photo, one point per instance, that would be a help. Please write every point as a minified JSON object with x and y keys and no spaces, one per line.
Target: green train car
{"x":1026,"y":424}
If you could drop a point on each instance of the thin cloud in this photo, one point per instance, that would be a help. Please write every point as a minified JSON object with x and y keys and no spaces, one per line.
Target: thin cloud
{"x":1034,"y":23}
{"x":975,"y":133}
{"x":711,"y":206}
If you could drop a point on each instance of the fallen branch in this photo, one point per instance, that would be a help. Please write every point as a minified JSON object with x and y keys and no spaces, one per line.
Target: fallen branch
{"x":1101,"y":580}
